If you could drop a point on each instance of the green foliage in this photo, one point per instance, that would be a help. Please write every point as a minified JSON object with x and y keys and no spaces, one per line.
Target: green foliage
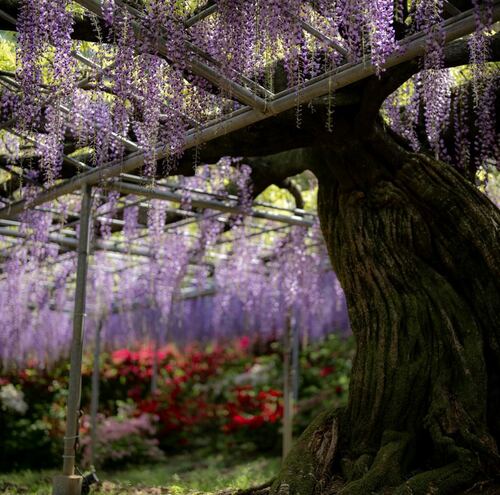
{"x":33,"y":437}
{"x":277,"y":196}
{"x":490,"y":184}
{"x":306,"y":183}
{"x":7,"y":53}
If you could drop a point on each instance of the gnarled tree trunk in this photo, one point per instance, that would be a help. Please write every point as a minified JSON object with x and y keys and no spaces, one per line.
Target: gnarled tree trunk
{"x":416,"y":249}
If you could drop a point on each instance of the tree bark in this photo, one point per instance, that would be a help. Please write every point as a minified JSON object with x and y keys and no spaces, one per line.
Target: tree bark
{"x":416,"y":249}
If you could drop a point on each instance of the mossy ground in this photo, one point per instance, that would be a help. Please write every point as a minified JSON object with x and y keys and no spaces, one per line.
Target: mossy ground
{"x":181,"y":475}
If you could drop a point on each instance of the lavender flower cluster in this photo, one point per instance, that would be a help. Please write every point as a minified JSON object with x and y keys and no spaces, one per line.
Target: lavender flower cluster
{"x":445,"y":100}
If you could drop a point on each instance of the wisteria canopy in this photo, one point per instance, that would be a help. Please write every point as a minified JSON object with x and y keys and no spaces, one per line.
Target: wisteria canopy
{"x":181,"y":114}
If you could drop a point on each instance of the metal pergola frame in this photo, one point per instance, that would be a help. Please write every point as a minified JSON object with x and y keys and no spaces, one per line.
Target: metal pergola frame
{"x":256,"y":109}
{"x":258,"y":104}
{"x":67,"y":239}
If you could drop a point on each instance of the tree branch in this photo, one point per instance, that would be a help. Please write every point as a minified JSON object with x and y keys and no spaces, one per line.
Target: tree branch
{"x":292,"y":188}
{"x":375,"y":91}
{"x":276,"y":169}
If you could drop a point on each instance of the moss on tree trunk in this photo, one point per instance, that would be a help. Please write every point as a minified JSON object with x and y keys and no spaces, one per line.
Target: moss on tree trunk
{"x":416,"y":248}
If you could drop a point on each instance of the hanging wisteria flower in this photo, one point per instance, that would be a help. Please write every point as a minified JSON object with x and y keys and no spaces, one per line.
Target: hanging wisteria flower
{"x":484,"y":84}
{"x":380,"y":19}
{"x":41,"y":25}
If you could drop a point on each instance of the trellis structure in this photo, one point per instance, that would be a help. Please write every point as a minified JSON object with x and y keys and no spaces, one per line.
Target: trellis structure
{"x":68,"y":239}
{"x":256,"y":103}
{"x":256,"y":109}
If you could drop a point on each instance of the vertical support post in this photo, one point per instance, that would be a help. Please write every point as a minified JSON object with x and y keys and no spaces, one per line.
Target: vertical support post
{"x":305,"y":337}
{"x":156,"y":349}
{"x":68,"y":483}
{"x":154,"y":370}
{"x":287,"y":390}
{"x":161,"y":340}
{"x":295,"y":360}
{"x":94,"y":400}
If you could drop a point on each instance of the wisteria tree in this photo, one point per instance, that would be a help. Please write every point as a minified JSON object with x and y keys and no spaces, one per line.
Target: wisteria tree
{"x":398,"y":155}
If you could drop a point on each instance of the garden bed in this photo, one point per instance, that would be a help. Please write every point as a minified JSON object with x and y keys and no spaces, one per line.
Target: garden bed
{"x":208,"y":401}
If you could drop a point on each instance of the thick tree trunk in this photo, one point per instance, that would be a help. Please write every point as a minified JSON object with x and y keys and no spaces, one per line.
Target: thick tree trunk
{"x":416,"y":249}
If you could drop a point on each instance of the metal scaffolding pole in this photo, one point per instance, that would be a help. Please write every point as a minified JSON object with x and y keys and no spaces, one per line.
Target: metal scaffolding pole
{"x":68,"y":483}
{"x":94,"y":400}
{"x":288,"y":402}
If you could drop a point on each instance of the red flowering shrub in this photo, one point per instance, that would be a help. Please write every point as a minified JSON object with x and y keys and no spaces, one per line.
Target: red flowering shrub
{"x":217,"y":397}
{"x":187,"y":400}
{"x":253,"y":415}
{"x":251,"y":409}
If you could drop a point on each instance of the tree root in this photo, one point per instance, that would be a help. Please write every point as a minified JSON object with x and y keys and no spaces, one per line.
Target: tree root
{"x":313,"y":467}
{"x":484,"y":487}
{"x":387,"y":473}
{"x":446,"y":480}
{"x":388,"y":467}
{"x":306,"y":470}
{"x":262,"y":489}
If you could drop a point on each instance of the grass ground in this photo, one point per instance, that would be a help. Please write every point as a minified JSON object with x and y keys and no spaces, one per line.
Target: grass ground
{"x":181,"y":475}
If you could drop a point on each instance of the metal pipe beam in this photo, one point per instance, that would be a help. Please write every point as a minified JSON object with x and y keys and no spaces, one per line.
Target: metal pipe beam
{"x":72,"y":244}
{"x":157,"y":193}
{"x":325,"y":39}
{"x":200,"y":15}
{"x":450,"y":8}
{"x":241,"y":93}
